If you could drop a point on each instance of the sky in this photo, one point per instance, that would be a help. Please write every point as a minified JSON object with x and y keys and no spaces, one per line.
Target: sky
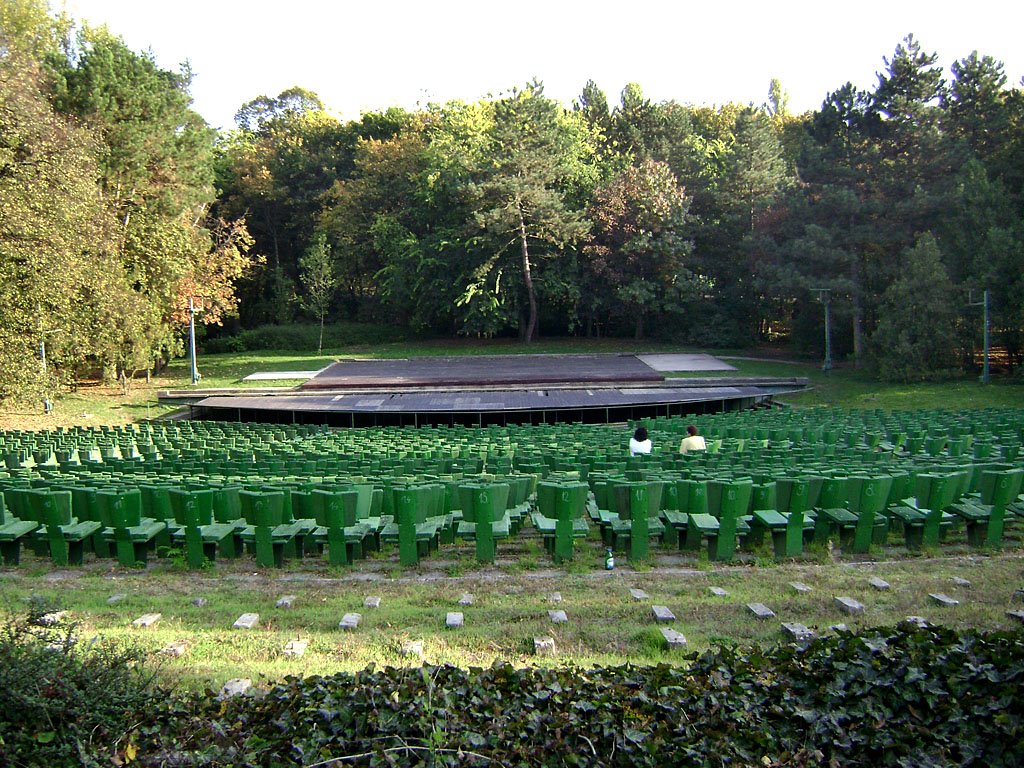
{"x":368,"y":56}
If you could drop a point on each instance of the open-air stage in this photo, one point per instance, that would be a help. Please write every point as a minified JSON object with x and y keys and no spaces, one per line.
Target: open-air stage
{"x":491,"y":389}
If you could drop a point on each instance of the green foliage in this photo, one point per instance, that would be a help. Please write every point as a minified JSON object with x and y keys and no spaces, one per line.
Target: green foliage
{"x":903,"y":696}
{"x":63,"y":701}
{"x":305,"y":338}
{"x":915,"y":339}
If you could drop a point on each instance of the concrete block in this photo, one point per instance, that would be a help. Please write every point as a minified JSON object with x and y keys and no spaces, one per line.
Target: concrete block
{"x":797,"y":632}
{"x":717,"y":591}
{"x":639,"y":594}
{"x":662,"y":613}
{"x":544,"y":646}
{"x":371,"y":602}
{"x":941,"y":599}
{"x":350,"y":621}
{"x":674,"y":640}
{"x":761,"y":611}
{"x":454,"y":620}
{"x":236,"y":687}
{"x":296,"y":648}
{"x":286,"y":602}
{"x":880,"y":584}
{"x":849,"y":605}
{"x":246,"y":621}
{"x":799,"y":586}
{"x":558,"y":617}
{"x":147,"y":620}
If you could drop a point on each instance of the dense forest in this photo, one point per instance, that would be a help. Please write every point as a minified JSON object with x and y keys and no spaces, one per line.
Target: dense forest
{"x":516,"y":215}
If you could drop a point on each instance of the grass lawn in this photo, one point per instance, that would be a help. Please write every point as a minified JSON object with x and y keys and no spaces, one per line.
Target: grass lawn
{"x":511,"y":600}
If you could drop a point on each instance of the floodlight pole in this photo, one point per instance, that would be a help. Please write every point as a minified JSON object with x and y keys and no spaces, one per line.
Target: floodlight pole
{"x":825,"y":297}
{"x":192,"y":341}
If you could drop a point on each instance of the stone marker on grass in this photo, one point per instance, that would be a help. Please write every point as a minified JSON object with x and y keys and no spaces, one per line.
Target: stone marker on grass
{"x":800,"y":587}
{"x":555,"y":597}
{"x":918,"y":621}
{"x":639,"y":594}
{"x":674,"y":640}
{"x":558,"y":617}
{"x":544,"y":646}
{"x":961,"y":582}
{"x":147,"y":620}
{"x":942,"y":599}
{"x":454,"y":620}
{"x":662,"y":613}
{"x":49,"y":619}
{"x":371,"y":602}
{"x":1018,"y":615}
{"x":849,"y":605}
{"x":246,"y":621}
{"x":466,"y":599}
{"x":717,"y":591}
{"x":199,"y":602}
{"x":350,"y":621}
{"x":797,"y":632}
{"x":175,"y":649}
{"x":115,"y":599}
{"x":296,"y":648}
{"x":761,"y":611}
{"x":236,"y":687}
{"x":880,"y":584}
{"x":286,"y":602}
{"x":413,"y":648}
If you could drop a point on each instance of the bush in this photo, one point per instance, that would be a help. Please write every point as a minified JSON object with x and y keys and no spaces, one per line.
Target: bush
{"x":305,"y":337}
{"x":64,"y":702}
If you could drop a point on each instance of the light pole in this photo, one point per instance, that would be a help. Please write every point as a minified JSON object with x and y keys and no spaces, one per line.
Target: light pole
{"x":825,"y":297}
{"x":192,"y":339}
{"x":984,"y":305}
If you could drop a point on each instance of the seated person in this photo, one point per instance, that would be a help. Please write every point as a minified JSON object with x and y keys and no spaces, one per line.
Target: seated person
{"x":692,"y":441}
{"x":639,"y":442}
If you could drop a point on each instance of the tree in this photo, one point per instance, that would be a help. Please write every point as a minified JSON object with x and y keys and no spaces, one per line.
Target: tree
{"x":61,"y":282}
{"x":319,"y":281}
{"x":916,"y":335}
{"x":522,"y":193}
{"x":638,"y":246}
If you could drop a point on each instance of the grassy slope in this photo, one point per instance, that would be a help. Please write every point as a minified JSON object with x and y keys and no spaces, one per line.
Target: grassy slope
{"x":511,"y":601}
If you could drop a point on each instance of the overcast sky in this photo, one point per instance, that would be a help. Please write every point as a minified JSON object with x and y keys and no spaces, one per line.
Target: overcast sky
{"x":367,"y":56}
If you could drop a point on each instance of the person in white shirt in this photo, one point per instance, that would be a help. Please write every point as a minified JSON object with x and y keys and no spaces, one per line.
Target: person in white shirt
{"x":692,"y":441}
{"x":639,"y":442}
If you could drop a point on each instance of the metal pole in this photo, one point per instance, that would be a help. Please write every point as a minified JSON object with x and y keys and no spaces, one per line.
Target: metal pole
{"x":984,"y":370}
{"x":827,"y":365}
{"x":825,"y":297}
{"x":192,"y":340}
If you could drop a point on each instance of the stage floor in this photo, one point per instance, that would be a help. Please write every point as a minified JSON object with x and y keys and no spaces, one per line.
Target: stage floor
{"x":483,"y":371}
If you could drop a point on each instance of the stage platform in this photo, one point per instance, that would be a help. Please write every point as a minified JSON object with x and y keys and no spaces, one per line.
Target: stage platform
{"x":492,"y":390}
{"x":483,"y":371}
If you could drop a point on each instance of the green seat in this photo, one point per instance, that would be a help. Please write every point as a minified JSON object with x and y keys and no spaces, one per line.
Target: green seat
{"x":12,"y":533}
{"x":266,"y":530}
{"x":986,"y":516}
{"x":132,"y":535}
{"x":560,"y":516}
{"x":64,"y":533}
{"x":484,"y":518}
{"x":924,"y":515}
{"x":336,"y":517}
{"x":196,"y":528}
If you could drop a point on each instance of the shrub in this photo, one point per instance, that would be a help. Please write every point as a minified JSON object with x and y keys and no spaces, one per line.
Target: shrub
{"x":305,"y":337}
{"x":64,"y":702}
{"x":906,"y":697}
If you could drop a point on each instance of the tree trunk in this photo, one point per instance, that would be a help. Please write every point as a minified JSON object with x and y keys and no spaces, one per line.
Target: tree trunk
{"x":320,"y":344}
{"x":531,"y":292}
{"x":638,"y":332}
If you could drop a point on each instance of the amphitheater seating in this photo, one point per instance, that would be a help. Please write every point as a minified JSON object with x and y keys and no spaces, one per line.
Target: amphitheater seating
{"x":837,"y":475}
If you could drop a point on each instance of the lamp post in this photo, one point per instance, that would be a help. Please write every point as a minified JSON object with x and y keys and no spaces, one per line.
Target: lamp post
{"x":985,"y":337}
{"x":825,"y":297}
{"x":192,"y":339}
